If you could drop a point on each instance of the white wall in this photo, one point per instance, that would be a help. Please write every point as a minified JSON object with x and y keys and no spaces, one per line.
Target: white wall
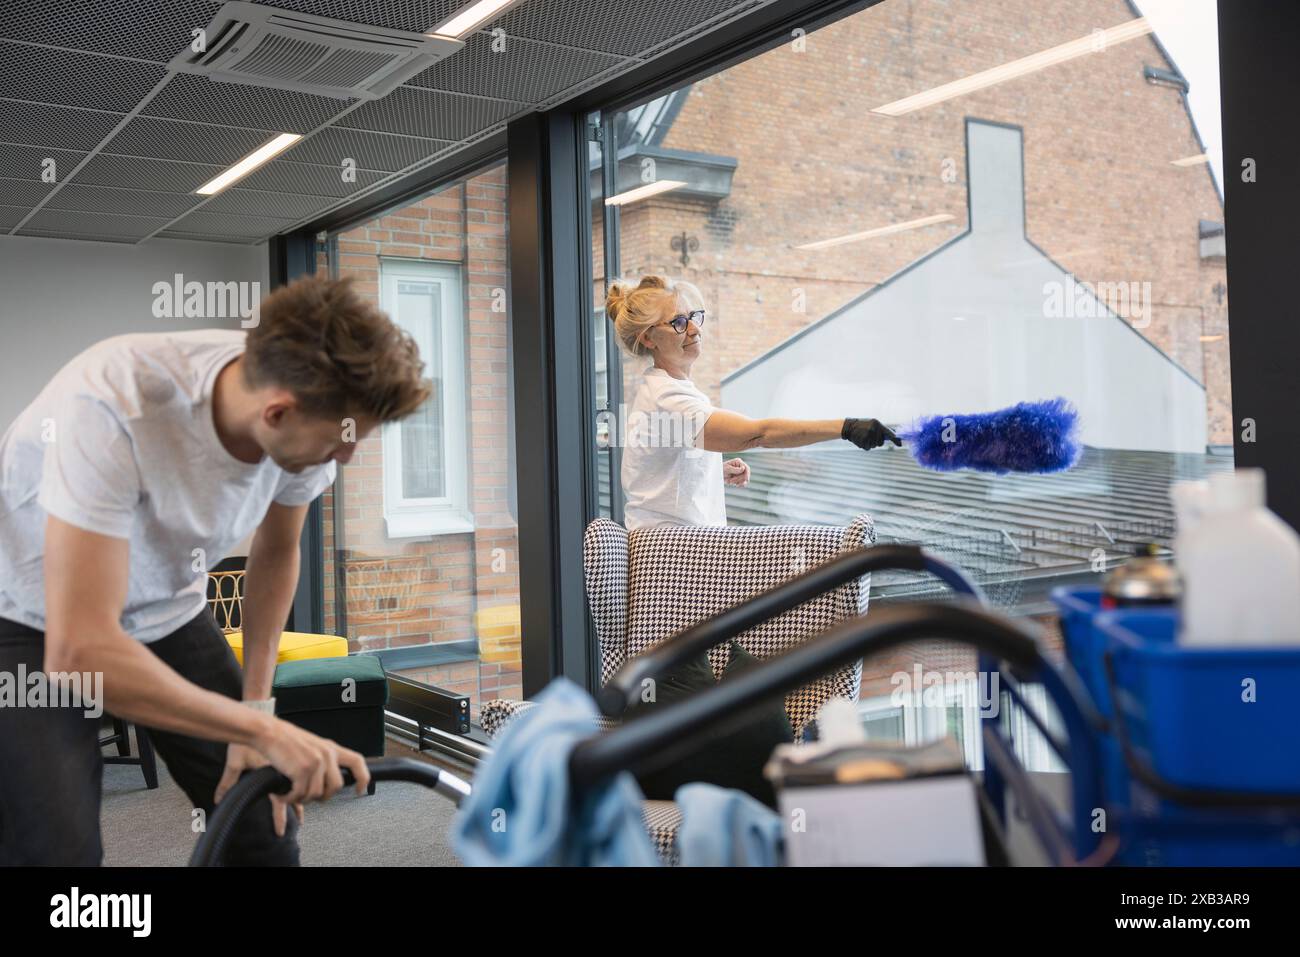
{"x":59,"y":296}
{"x":966,"y":331}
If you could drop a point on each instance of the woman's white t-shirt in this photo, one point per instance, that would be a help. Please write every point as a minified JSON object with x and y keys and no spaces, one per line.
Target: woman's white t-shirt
{"x":668,"y":478}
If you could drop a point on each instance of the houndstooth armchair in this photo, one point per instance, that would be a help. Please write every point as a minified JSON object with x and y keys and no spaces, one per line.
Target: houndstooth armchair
{"x":647,"y":585}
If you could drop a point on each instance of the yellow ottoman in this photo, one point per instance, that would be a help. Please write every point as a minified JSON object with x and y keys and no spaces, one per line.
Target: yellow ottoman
{"x":498,"y":633}
{"x":296,"y":646}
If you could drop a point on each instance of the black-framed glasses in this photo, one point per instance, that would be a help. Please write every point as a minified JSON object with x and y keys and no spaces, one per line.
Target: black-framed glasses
{"x":680,"y":323}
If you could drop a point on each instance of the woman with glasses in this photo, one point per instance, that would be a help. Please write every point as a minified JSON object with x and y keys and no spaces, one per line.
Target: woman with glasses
{"x":673,"y":471}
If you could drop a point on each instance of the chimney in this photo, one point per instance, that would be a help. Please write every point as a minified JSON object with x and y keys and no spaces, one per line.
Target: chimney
{"x":996,"y":178}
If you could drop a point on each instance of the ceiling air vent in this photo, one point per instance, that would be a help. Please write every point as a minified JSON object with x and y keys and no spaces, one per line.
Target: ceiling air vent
{"x":264,"y":46}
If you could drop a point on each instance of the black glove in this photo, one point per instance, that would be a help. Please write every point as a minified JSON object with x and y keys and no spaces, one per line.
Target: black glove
{"x":868,"y":433}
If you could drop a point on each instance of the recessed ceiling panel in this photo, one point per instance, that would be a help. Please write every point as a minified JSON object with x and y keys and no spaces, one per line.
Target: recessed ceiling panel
{"x":259,"y":202}
{"x":99,"y":225}
{"x":443,"y":116}
{"x":373,"y":151}
{"x":221,"y":224}
{"x":10,"y":216}
{"x":29,"y":162}
{"x":144,"y":29}
{"x":513,"y":68}
{"x":34,"y":124}
{"x":198,"y":99}
{"x":417,"y":16}
{"x":166,"y":139}
{"x":130,"y":202}
{"x":69,"y":78}
{"x":610,"y":26}
{"x":137,"y":173}
{"x":306,"y":178}
{"x":23,"y":192}
{"x":206,"y":237}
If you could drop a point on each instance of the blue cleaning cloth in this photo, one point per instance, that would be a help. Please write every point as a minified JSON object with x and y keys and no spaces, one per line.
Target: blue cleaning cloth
{"x":520,"y":812}
{"x":726,"y":828}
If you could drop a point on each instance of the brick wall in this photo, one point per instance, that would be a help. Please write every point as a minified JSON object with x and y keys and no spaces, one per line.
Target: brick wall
{"x":813,"y":162}
{"x":406,"y":592}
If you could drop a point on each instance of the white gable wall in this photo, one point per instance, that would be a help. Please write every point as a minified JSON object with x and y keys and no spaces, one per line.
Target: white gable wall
{"x":965,"y":331}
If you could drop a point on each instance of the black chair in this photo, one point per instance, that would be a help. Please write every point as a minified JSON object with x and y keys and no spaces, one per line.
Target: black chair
{"x":121,"y":737}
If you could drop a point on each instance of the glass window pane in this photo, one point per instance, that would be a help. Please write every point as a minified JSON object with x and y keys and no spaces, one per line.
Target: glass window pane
{"x":421,"y":540}
{"x":887,"y":220}
{"x":418,"y":308}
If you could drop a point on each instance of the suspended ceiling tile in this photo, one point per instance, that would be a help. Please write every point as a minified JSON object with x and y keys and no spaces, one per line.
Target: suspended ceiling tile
{"x":610,"y":26}
{"x":191,"y":142}
{"x":10,"y":216}
{"x":151,"y":174}
{"x":79,"y":235}
{"x":414,"y":16}
{"x":60,"y":127}
{"x":205,"y":237}
{"x":220,"y":224}
{"x":29,"y":162}
{"x":513,"y":68}
{"x":373,"y":151}
{"x":70,"y":78}
{"x":325,"y":181}
{"x":443,"y":116}
{"x":23,"y":192}
{"x":259,"y":202}
{"x":130,"y":202}
{"x":145,"y":29}
{"x":196,"y":98}
{"x":100,"y":225}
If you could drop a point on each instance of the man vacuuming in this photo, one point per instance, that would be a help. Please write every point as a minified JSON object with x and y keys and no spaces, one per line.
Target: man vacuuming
{"x":140,"y":465}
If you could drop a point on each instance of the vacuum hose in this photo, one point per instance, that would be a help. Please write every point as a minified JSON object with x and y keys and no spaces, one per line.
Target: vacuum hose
{"x":675,"y":730}
{"x":210,"y":851}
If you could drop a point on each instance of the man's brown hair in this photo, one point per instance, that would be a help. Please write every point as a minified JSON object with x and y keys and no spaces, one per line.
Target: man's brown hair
{"x":336,"y":351}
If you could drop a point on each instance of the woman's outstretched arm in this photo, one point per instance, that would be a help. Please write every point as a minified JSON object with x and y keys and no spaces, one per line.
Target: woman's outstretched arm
{"x":731,"y":432}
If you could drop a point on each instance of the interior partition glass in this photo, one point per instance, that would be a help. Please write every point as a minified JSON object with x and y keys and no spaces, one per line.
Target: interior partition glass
{"x":935,"y":207}
{"x":421,"y":561}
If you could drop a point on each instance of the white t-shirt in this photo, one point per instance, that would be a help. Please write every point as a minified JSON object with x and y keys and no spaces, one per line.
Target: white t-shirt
{"x":122,"y":442}
{"x":667,"y":477}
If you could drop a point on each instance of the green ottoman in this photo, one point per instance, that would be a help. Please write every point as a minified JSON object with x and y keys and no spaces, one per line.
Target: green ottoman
{"x":338,"y":698}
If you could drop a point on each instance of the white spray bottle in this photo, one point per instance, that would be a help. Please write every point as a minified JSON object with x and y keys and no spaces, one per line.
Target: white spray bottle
{"x":1240,"y":566}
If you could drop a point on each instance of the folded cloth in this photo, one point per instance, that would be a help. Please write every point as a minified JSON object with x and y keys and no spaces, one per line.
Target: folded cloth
{"x":723,"y":827}
{"x":522,"y":811}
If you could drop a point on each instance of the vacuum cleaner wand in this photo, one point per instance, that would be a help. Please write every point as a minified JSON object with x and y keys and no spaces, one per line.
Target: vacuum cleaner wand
{"x":679,"y":728}
{"x":1037,"y":437}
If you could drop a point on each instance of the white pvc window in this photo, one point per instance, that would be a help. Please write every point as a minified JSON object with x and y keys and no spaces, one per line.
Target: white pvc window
{"x":425,"y":455}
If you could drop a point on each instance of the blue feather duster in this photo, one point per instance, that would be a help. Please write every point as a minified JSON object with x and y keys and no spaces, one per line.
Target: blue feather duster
{"x":1038,"y":437}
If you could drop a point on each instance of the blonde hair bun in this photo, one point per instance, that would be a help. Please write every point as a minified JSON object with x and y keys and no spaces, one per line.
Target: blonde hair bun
{"x":635,"y":308}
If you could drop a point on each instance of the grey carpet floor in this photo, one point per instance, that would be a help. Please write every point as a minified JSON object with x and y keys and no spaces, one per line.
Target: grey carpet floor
{"x":400,"y":825}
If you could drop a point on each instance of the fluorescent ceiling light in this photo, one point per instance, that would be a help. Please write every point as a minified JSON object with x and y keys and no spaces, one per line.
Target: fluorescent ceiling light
{"x":249,"y":163}
{"x":1191,"y":160}
{"x":1212,"y":338}
{"x":1095,"y":42}
{"x":470,"y":18}
{"x":881,"y":231}
{"x":641,"y":192}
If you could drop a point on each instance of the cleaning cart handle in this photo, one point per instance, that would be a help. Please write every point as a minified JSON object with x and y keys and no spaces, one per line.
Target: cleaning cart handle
{"x":667,"y":733}
{"x":624,"y":687}
{"x":254,"y":786}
